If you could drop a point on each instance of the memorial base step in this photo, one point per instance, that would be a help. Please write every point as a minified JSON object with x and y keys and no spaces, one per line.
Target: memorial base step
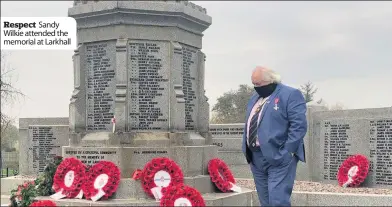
{"x":127,"y":187}
{"x":10,"y":183}
{"x":5,"y":200}
{"x":131,"y":188}
{"x":193,"y":160}
{"x":212,"y":199}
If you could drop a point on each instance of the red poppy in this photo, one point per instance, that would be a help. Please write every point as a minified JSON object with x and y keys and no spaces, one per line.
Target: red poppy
{"x":353,"y":171}
{"x":220,"y":174}
{"x":69,"y":177}
{"x":109,"y":176}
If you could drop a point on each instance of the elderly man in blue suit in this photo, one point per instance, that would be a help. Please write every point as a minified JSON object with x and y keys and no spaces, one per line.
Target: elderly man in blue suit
{"x":273,"y":143}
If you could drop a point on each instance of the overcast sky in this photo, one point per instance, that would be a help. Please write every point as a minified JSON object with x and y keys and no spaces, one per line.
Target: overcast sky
{"x":344,"y":48}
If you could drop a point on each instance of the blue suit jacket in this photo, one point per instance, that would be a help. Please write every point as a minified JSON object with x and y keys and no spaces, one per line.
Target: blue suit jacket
{"x":280,"y":132}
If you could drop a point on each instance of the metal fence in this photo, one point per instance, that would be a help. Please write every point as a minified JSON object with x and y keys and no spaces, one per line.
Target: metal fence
{"x":9,"y":164}
{"x":7,"y":172}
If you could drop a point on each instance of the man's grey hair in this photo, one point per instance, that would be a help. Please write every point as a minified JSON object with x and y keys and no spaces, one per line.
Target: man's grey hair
{"x":271,"y":76}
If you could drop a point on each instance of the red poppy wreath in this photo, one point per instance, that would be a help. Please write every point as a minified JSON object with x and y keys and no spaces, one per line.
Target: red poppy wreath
{"x":221,"y":176}
{"x":353,"y":171}
{"x":102,"y":180}
{"x":68,"y":179}
{"x":158,"y":175}
{"x":43,"y":203}
{"x":182,"y":195}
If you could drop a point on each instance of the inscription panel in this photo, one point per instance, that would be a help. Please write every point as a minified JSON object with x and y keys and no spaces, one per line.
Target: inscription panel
{"x":380,"y":136}
{"x":148,"y":69}
{"x":90,"y":157}
{"x":100,"y":85}
{"x":45,"y":143}
{"x":370,"y":137}
{"x":140,"y":157}
{"x":190,"y":85}
{"x":338,"y":142}
{"x":235,"y":131}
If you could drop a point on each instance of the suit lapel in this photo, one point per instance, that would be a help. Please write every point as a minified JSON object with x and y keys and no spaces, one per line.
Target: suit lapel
{"x":270,"y":101}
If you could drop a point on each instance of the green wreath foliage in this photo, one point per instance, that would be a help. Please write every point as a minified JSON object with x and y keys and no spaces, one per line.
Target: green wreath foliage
{"x":25,"y":194}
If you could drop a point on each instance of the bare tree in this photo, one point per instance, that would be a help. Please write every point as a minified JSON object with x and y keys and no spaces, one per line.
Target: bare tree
{"x":308,"y":91}
{"x":9,"y":93}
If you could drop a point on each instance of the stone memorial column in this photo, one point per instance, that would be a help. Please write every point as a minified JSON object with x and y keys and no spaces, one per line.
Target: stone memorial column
{"x":203,"y":116}
{"x":177,"y":98}
{"x":77,"y":107}
{"x":120,"y":112}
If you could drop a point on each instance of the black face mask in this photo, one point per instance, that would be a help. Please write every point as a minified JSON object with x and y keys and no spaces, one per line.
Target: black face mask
{"x":265,"y":91}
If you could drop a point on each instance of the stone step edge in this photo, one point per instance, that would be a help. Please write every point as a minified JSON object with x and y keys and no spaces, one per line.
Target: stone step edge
{"x":209,"y":196}
{"x":294,"y":192}
{"x":206,"y":196}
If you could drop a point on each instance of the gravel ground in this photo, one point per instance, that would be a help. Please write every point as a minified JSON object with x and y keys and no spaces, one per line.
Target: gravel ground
{"x":320,"y":187}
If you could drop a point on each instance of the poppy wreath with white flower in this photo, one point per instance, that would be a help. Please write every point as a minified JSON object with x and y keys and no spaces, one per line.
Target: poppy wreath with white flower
{"x":159,"y":172}
{"x":182,"y":195}
{"x":221,"y":175}
{"x":43,"y":203}
{"x":103,"y":177}
{"x":353,"y":171}
{"x":69,"y":177}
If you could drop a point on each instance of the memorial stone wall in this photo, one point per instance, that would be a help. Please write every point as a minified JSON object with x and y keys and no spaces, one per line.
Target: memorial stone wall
{"x":340,"y":134}
{"x":40,"y":140}
{"x":336,"y":134}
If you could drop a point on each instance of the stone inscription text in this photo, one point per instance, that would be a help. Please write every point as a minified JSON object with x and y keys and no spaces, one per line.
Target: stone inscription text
{"x":100,"y":87}
{"x":381,"y":151}
{"x":150,"y":152}
{"x":148,"y":84}
{"x":336,"y":148}
{"x":90,"y":157}
{"x":219,"y":144}
{"x":189,"y":67}
{"x":43,"y":147}
{"x":233,"y":131}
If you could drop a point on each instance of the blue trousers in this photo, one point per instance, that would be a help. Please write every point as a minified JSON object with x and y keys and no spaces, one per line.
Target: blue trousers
{"x":274,"y":184}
